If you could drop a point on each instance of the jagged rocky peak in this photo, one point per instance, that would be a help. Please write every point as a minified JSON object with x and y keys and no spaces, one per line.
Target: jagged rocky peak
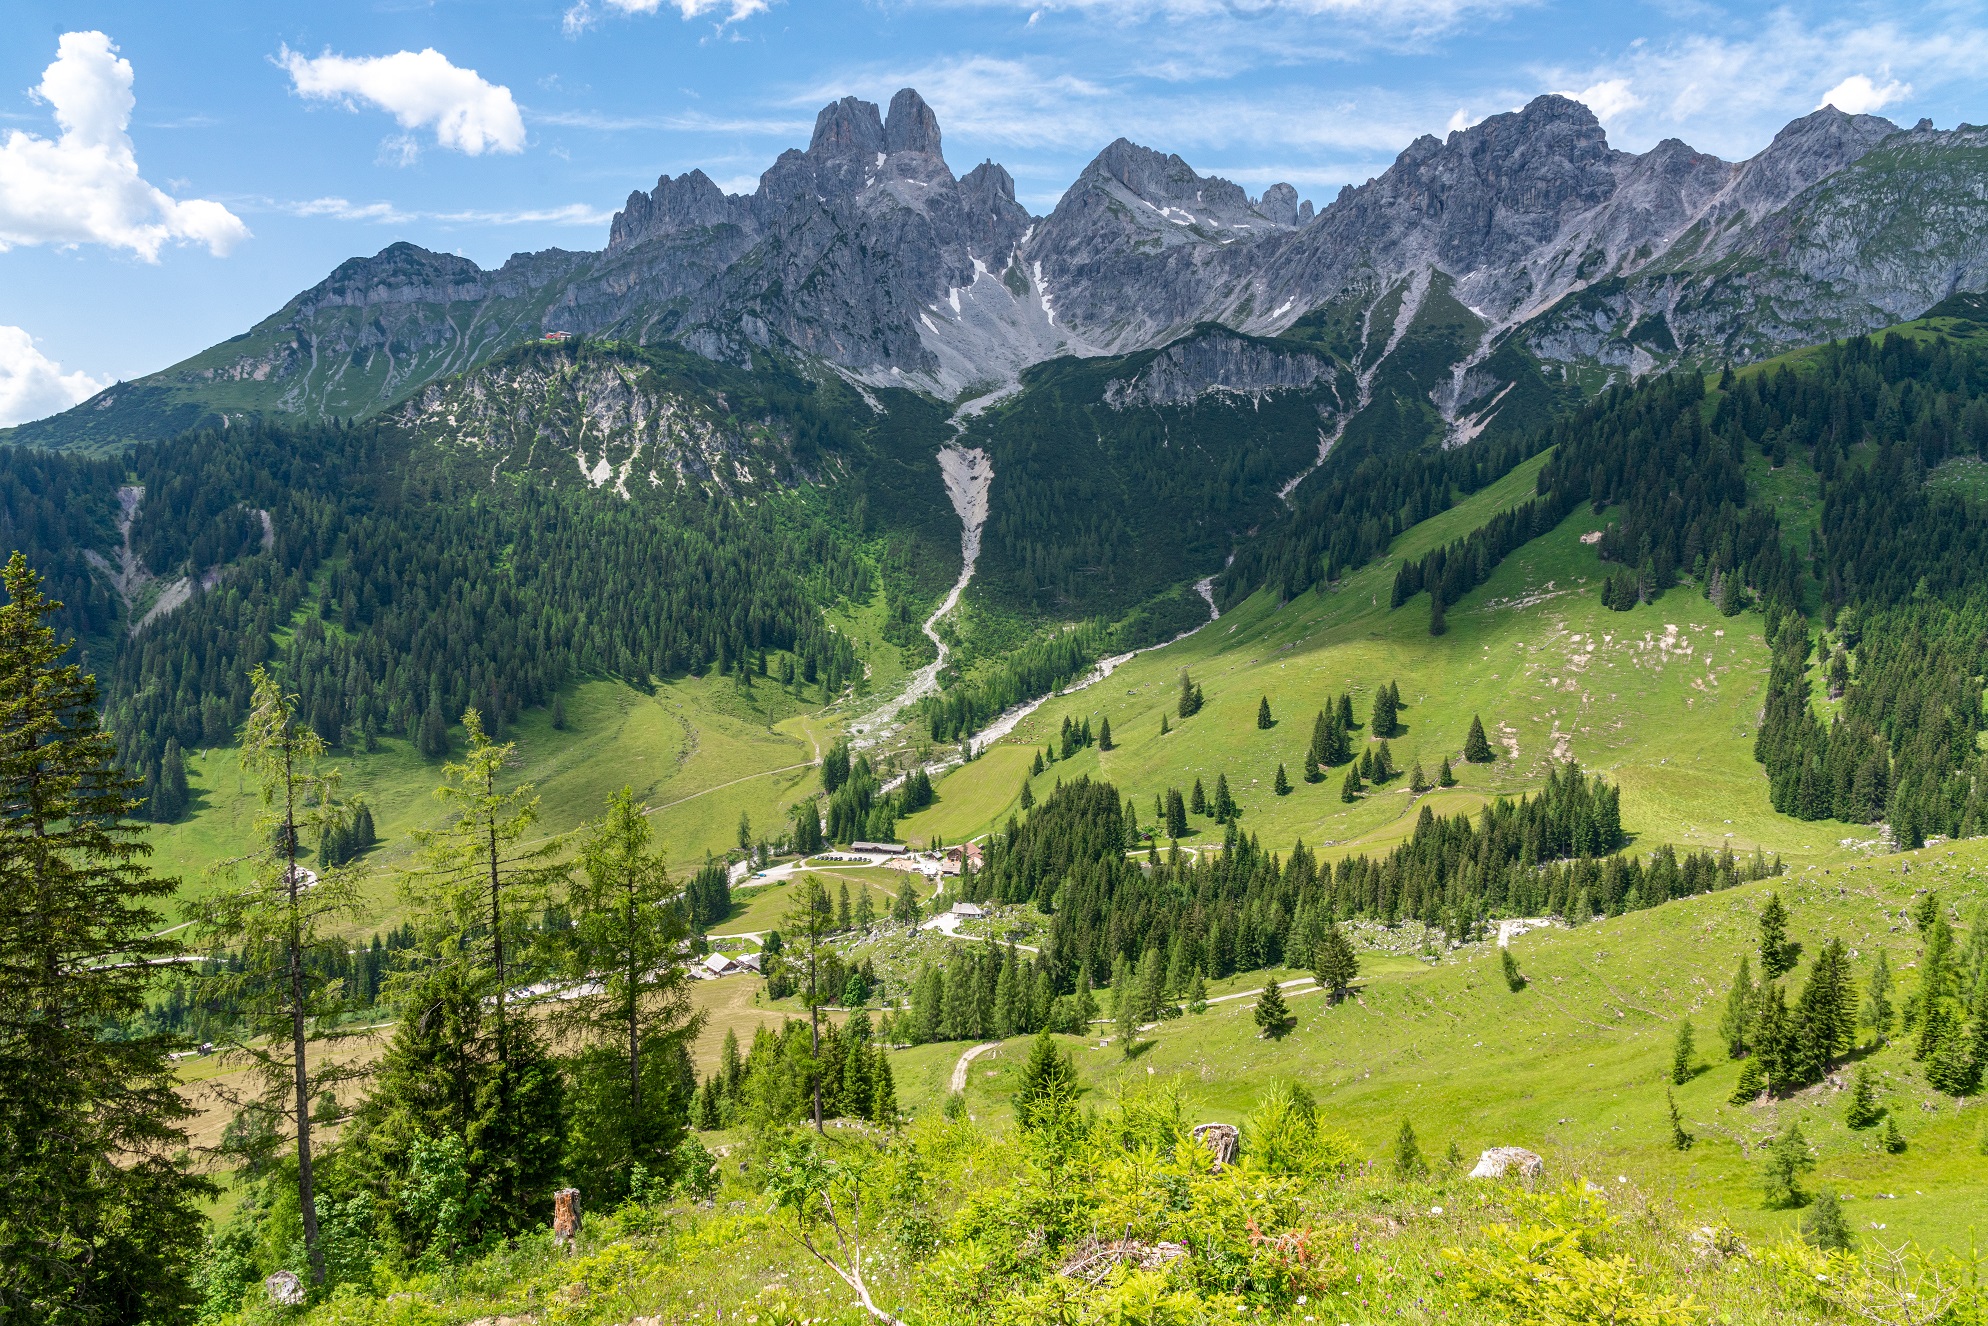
{"x":690,"y":201}
{"x":1526,"y":166}
{"x":912,"y":127}
{"x":400,"y":273}
{"x":1805,"y":151}
{"x":1171,"y":190}
{"x":1280,"y":204}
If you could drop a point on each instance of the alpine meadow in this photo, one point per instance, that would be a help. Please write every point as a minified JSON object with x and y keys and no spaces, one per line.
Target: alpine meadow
{"x":892,"y":746}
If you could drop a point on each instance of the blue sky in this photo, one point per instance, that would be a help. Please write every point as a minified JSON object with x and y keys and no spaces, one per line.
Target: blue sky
{"x":169,"y":174}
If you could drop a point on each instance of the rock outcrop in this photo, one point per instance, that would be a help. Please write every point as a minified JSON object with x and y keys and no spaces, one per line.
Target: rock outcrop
{"x":864,"y":252}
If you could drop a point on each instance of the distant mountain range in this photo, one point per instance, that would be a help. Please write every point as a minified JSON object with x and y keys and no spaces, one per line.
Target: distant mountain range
{"x":1518,"y":257}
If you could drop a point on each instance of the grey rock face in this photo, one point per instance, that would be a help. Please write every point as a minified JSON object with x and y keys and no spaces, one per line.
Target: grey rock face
{"x":865,"y":251}
{"x":1222,"y":362}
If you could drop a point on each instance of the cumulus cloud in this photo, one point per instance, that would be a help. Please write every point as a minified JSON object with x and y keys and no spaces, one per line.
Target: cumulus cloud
{"x":83,"y":186}
{"x":584,"y":15}
{"x":421,"y":90}
{"x":32,"y":384}
{"x":1731,"y":91}
{"x":1858,"y":95}
{"x":1608,"y":99}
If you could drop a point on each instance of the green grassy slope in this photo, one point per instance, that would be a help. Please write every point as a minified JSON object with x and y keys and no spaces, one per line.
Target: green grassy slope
{"x":1574,"y":1065}
{"x":1672,"y":724}
{"x":697,"y":751}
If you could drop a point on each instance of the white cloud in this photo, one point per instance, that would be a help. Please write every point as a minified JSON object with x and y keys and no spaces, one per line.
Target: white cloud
{"x":1007,"y":104}
{"x":33,"y":385}
{"x":342,"y":209}
{"x":1730,"y":93}
{"x":583,"y":15}
{"x":83,"y":187}
{"x":1858,"y":95}
{"x":1609,"y":99}
{"x":421,"y":90}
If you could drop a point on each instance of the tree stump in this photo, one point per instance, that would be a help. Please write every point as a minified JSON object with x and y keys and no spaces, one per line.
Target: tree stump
{"x":566,"y":1217}
{"x":1222,"y":1141}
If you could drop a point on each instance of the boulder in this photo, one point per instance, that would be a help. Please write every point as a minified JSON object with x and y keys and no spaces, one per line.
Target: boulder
{"x":285,"y":1289}
{"x":1221,"y":1139}
{"x":1502,"y":1162}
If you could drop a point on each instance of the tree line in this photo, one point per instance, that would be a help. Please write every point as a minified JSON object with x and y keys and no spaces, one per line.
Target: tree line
{"x":1073,"y":858}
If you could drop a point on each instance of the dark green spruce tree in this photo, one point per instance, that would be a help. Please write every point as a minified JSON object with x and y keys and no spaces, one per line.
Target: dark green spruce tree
{"x":102,"y":1221}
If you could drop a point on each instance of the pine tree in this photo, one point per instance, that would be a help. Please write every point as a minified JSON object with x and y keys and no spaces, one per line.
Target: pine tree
{"x":1163,"y":724}
{"x":1752,"y":1081}
{"x":1104,"y":734}
{"x":629,"y":995}
{"x":1736,"y":1023}
{"x":1190,"y":696}
{"x":1445,"y":776}
{"x":1352,"y":787}
{"x":1197,"y":994}
{"x":1437,"y":624}
{"x":1334,"y":963}
{"x":1679,"y":1139}
{"x":883,"y":1091}
{"x":1515,"y":980}
{"x":1825,"y":1015}
{"x":1049,"y":1084}
{"x":276,"y":919}
{"x":843,"y":918}
{"x":1683,"y":1050}
{"x":1343,"y":711}
{"x":1408,"y":1162}
{"x":1028,"y":796}
{"x":1273,"y":1015}
{"x":1282,"y":784}
{"x":1125,"y":1006}
{"x":1263,"y":719}
{"x":1418,"y":782}
{"x":1176,"y":814}
{"x":103,"y":1220}
{"x":1889,"y":1138}
{"x":1198,"y":800}
{"x":1224,"y":807}
{"x":1877,"y":1012}
{"x":1824,"y":1226}
{"x":1864,"y":1109}
{"x":1384,"y":770}
{"x":1476,"y":749}
{"x":807,"y":827}
{"x":1788,"y":1159}
{"x":1382,"y":723}
{"x":1777,"y":954}
{"x":1312,"y":773}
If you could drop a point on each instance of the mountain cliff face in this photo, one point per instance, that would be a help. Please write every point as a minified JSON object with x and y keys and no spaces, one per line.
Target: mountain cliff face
{"x":1560,"y":263}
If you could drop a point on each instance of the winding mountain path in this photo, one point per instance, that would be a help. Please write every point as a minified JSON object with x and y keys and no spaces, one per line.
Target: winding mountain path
{"x":959,"y":1069}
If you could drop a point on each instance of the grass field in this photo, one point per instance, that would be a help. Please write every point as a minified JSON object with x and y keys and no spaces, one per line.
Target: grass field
{"x":1662,"y":700}
{"x":1666,"y":712}
{"x":698,"y":752}
{"x":1574,"y":1065}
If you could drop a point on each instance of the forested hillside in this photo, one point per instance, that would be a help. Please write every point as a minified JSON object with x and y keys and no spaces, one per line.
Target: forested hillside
{"x":396,"y":577}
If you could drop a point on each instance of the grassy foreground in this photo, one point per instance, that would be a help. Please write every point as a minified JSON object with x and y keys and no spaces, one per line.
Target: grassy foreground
{"x":1117,"y":1216}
